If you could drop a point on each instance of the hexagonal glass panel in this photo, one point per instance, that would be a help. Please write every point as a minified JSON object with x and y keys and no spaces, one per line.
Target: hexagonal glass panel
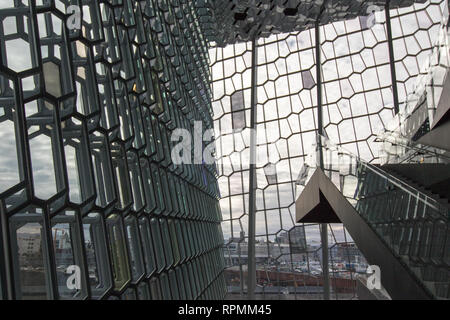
{"x":119,"y":252}
{"x":66,"y":236}
{"x":30,"y":255}
{"x":96,"y":249}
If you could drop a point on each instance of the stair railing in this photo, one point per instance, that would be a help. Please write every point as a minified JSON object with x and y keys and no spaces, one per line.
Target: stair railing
{"x":413,"y":225}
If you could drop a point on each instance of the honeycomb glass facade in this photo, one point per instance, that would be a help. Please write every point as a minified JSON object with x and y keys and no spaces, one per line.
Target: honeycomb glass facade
{"x":90,"y":92}
{"x":112,"y":110}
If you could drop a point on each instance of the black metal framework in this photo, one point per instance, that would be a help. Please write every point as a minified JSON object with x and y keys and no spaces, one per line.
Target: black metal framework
{"x":229,"y":22}
{"x":87,"y":180}
{"x":391,"y":56}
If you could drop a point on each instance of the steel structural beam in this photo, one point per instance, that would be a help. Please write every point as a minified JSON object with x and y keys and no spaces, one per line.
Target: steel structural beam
{"x":391,"y":57}
{"x":320,"y":131}
{"x":251,"y":271}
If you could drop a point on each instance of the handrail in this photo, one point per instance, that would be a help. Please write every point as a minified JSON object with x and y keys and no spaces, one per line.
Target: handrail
{"x":410,"y":190}
{"x":427,"y":200}
{"x":437,"y":155}
{"x":408,"y":222}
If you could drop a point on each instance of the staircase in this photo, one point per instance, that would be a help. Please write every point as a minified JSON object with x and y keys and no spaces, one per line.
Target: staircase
{"x":415,"y":229}
{"x":431,"y":179}
{"x":400,"y":222}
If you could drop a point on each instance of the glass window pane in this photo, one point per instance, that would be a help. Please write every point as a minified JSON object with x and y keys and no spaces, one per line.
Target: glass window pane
{"x":147,"y":246}
{"x":66,"y":239}
{"x":31,"y":276}
{"x":119,"y":254}
{"x":143,"y":291}
{"x":135,"y":247}
{"x":97,"y":254}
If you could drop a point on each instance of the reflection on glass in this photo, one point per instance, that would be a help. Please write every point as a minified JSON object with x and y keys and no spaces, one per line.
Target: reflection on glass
{"x":19,"y":57}
{"x":155,"y":289}
{"x":42,"y":134}
{"x":9,"y":169}
{"x":43,"y":171}
{"x":238,"y":110}
{"x":166,"y":242}
{"x":129,"y":294}
{"x":180,"y":282}
{"x":119,"y":163}
{"x":143,"y":291}
{"x":96,"y":254}
{"x":29,"y":256}
{"x":81,"y":186}
{"x":137,"y":264}
{"x":65,"y":234}
{"x":158,"y":107}
{"x":165,"y":286}
{"x":52,"y":78}
{"x":173,"y":285}
{"x":119,"y":255}
{"x":136,"y":181}
{"x":102,"y":169}
{"x":64,"y":255}
{"x":147,"y":244}
{"x":173,"y":238}
{"x":157,"y":241}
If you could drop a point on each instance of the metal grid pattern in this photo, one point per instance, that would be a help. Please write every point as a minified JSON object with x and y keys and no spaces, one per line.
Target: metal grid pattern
{"x":358,"y":71}
{"x":87,"y":179}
